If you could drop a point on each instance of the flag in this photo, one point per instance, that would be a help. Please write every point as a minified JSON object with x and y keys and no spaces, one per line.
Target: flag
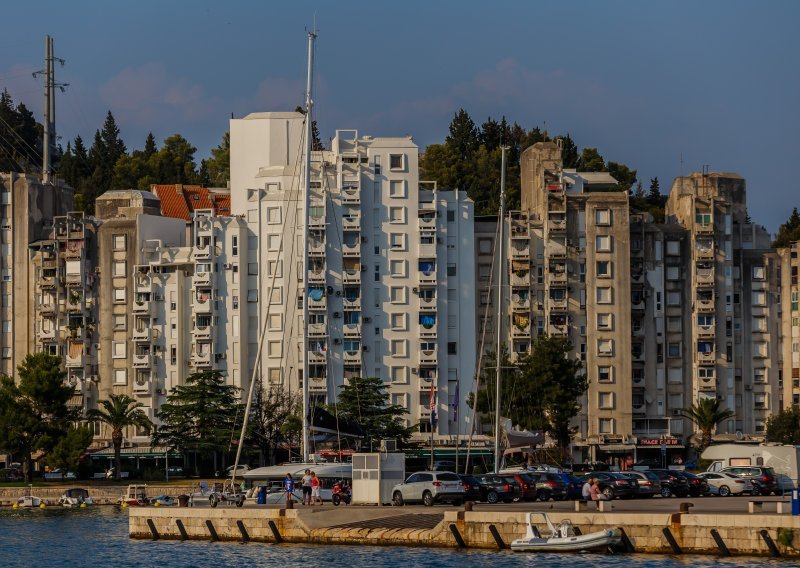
{"x":433,"y":406}
{"x":455,"y":405}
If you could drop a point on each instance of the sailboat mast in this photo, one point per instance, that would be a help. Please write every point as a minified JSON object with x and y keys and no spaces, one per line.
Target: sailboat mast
{"x":500,"y":272}
{"x":307,"y":195}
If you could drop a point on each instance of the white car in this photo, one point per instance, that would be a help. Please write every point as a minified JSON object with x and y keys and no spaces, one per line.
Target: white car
{"x":59,"y":475}
{"x":724,"y":484}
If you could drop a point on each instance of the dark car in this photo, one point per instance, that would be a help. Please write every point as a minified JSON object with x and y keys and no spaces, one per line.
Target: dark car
{"x":648,"y":483}
{"x":763,"y":478}
{"x":583,"y":468}
{"x":574,"y":485}
{"x":472,"y":488}
{"x":496,"y":488}
{"x":613,"y":484}
{"x":527,"y":484}
{"x":549,"y":485}
{"x":672,"y":483}
{"x":698,"y":486}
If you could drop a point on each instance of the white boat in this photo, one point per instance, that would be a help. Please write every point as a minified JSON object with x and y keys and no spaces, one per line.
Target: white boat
{"x":76,"y":497}
{"x":563,"y":538}
{"x":28,"y":502}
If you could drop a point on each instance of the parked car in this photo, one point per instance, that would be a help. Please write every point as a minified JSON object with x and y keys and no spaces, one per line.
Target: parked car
{"x":472,"y":488}
{"x":613,"y":484}
{"x":574,"y":485}
{"x":549,"y":486}
{"x":763,"y":478}
{"x":59,"y":475}
{"x":583,"y":468}
{"x":496,"y":488}
{"x":429,"y":487}
{"x":723,"y":484}
{"x":698,"y":486}
{"x":648,"y":483}
{"x":672,"y":483}
{"x":527,"y":485}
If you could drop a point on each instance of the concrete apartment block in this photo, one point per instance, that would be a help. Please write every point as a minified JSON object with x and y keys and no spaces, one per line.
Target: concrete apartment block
{"x":789,"y":374}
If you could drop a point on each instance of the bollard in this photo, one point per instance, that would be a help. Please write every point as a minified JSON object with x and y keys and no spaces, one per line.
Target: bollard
{"x":457,"y":535}
{"x":723,"y":549}
{"x":245,"y":536}
{"x":212,"y":531}
{"x":501,"y":545}
{"x":673,"y":544}
{"x":182,"y":529}
{"x":468,"y":505}
{"x":290,"y":504}
{"x":686,"y":506}
{"x":275,"y":534}
{"x":773,"y":550}
{"x":153,"y":530}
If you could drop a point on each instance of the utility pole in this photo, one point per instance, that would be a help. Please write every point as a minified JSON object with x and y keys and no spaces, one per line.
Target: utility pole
{"x":49,"y":122}
{"x":499,"y":354}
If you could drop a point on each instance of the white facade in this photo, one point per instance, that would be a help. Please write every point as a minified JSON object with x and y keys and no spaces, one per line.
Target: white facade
{"x":391,"y":266}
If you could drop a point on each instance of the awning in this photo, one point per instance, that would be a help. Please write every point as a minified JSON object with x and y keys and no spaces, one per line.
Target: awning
{"x":75,"y":350}
{"x":616,"y":448}
{"x":658,"y":448}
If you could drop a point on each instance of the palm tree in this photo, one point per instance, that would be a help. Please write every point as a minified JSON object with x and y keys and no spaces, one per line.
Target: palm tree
{"x":120,"y":411}
{"x":706,"y":414}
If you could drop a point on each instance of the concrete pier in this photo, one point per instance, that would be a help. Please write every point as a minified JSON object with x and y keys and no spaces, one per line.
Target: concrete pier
{"x":741,"y":534}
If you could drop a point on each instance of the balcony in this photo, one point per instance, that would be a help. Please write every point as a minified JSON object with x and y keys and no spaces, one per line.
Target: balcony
{"x":202,"y":252}
{"x":521,"y":279}
{"x":202,"y":359}
{"x":427,"y":220}
{"x":352,"y":329}
{"x":428,"y":330}
{"x":352,"y":357}
{"x":557,"y":279}
{"x":351,"y":222}
{"x":428,"y":357}
{"x":46,"y":282}
{"x":351,"y":194}
{"x":637,"y":302}
{"x":201,"y":279}
{"x":705,"y":306}
{"x":519,"y":229}
{"x":316,"y":249}
{"x":559,"y":304}
{"x":706,"y":357}
{"x":317,"y":222}
{"x":704,"y":277}
{"x":557,"y":225}
{"x":351,"y":276}
{"x":427,"y":375}
{"x":141,"y":361}
{"x":351,"y":250}
{"x":204,"y":304}
{"x":558,"y":330}
{"x":49,"y":333}
{"x":520,"y":302}
{"x":556,"y":250}
{"x":141,"y":307}
{"x":202,"y":332}
{"x":427,"y":272}
{"x":520,"y":250}
{"x":49,"y":308}
{"x":144,"y":334}
{"x":427,"y":304}
{"x":317,"y":299}
{"x":74,"y":279}
{"x":638,"y":382}
{"x":75,"y":359}
{"x":316,"y":275}
{"x":317,"y":330}
{"x":705,"y":331}
{"x":704,"y":228}
{"x":704,"y":253}
{"x":351,"y":303}
{"x":427,"y":250}
{"x":317,"y":357}
{"x":142,"y":384}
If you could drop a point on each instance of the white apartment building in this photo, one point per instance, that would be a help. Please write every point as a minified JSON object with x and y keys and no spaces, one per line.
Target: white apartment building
{"x":391,"y":267}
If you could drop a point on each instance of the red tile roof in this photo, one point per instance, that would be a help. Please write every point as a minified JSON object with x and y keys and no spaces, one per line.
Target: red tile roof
{"x":180,"y":201}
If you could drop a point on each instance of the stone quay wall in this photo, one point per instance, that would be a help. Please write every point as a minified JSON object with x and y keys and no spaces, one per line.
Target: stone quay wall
{"x":101,"y":495}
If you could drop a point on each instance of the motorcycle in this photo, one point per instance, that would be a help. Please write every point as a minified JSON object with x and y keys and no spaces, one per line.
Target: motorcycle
{"x":341,"y":495}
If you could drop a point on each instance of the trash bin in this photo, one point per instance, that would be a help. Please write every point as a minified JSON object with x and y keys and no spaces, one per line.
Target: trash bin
{"x":795,"y":501}
{"x":183,"y":500}
{"x":262,"y":495}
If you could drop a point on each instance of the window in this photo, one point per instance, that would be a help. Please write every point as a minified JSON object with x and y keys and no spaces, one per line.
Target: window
{"x":397,"y":188}
{"x":120,"y":321}
{"x":759,"y":375}
{"x":605,"y":400}
{"x":673,"y":298}
{"x":252,"y":295}
{"x":484,"y":272}
{"x":396,"y":162}
{"x":484,"y":246}
{"x":398,"y":347}
{"x":605,"y":322}
{"x":397,"y":295}
{"x":119,"y":295}
{"x":674,"y":325}
{"x":760,"y":400}
{"x":705,"y":320}
{"x":674,"y":349}
{"x":605,"y":374}
{"x":399,"y":322}
{"x":275,"y":376}
{"x":603,"y":269}
{"x":605,"y":425}
{"x":451,"y":216}
{"x":603,"y":243}
{"x":399,"y":375}
{"x":604,"y":295}
{"x":758,"y":273}
{"x":274,"y":266}
{"x":673,"y":272}
{"x":235,"y":245}
{"x":759,"y":298}
{"x":397,"y":268}
{"x":703,"y":219}
{"x":451,"y":268}
{"x":760,"y":324}
{"x":120,"y":242}
{"x":120,"y":376}
{"x":397,"y":241}
{"x":397,"y":215}
{"x":602,"y":216}
{"x":452,"y":348}
{"x":377,"y":165}
{"x":605,"y":347}
{"x":673,"y":248}
{"x":118,"y":349}
{"x":274,"y":349}
{"x":119,"y":269}
{"x":252,"y":268}
{"x":273,"y":215}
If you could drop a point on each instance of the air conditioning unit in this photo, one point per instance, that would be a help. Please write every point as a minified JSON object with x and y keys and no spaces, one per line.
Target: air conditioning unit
{"x":161,"y":391}
{"x":748,"y":387}
{"x":97,"y":269}
{"x":337,"y":315}
{"x":337,"y":341}
{"x":415,"y":290}
{"x":367,"y":319}
{"x":227,"y":266}
{"x":363,"y":239}
{"x":365,"y":347}
{"x":221,"y":355}
{"x":676,"y":412}
{"x":414,"y":370}
{"x":338,"y":292}
{"x":363,"y":268}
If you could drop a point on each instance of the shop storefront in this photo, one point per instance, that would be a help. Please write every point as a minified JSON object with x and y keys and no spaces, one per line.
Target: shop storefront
{"x":660,"y":451}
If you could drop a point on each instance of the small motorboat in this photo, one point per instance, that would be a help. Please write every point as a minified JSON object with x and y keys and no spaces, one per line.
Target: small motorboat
{"x":163,"y":501}
{"x":28,"y":502}
{"x":563,"y":538}
{"x":76,"y":497}
{"x":136,"y":496}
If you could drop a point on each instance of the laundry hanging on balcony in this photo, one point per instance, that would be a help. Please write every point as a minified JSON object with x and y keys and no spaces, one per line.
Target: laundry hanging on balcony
{"x":316,"y":294}
{"x":427,"y":267}
{"x":75,"y":350}
{"x":521,"y":321}
{"x":203,"y":297}
{"x":427,"y":320}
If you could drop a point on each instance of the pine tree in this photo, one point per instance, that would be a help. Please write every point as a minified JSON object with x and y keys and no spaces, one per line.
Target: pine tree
{"x":591,"y":161}
{"x":654,"y":195}
{"x":150,"y":147}
{"x":569,"y":151}
{"x":463,"y":137}
{"x":789,"y":232}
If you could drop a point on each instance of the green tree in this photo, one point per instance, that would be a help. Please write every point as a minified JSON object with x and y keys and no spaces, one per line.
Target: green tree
{"x":20,"y":139}
{"x":34,"y":414}
{"x":270,"y":412}
{"x":217,"y":168}
{"x":569,"y":152}
{"x":706,"y":414}
{"x":463,"y":137}
{"x":654,"y":196}
{"x":440,"y":163}
{"x":789,"y":232}
{"x":119,"y":412}
{"x":176,"y":161}
{"x":150,"y":147}
{"x":591,"y":161}
{"x":106,"y":150}
{"x":66,"y":452}
{"x":625,"y":176}
{"x":366,"y":402}
{"x":784,"y":427}
{"x":199,"y":417}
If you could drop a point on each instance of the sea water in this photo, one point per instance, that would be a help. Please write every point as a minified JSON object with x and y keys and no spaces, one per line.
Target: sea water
{"x":98,"y":537}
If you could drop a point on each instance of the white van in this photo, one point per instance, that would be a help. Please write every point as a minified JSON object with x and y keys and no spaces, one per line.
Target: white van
{"x":785,"y":460}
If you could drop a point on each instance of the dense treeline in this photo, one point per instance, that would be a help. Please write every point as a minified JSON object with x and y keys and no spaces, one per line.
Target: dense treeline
{"x":20,"y":137}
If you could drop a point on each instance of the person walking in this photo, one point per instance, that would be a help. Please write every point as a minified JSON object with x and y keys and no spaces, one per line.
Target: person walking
{"x":315,"y":484}
{"x":288,"y":487}
{"x":586,"y":490}
{"x":306,"y":483}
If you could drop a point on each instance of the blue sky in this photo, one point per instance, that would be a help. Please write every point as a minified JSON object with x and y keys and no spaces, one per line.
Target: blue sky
{"x":717,"y":82}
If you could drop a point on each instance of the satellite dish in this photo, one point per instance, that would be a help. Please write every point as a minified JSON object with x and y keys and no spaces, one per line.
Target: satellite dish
{"x":739,"y":435}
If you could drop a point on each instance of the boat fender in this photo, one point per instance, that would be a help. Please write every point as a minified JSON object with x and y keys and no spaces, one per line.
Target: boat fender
{"x":124,"y":504}
{"x":41,"y":505}
{"x":15,"y":506}
{"x":83,"y":505}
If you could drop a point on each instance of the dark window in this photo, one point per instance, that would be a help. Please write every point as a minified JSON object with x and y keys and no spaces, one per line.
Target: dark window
{"x":452,"y":348}
{"x":451,"y":216}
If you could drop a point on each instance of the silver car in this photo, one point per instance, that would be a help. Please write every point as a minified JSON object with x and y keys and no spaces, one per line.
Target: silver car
{"x":429,"y":487}
{"x":723,"y":483}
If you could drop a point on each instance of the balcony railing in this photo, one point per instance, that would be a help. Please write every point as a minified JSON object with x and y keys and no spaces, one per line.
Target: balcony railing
{"x":522,"y":279}
{"x":202,"y":252}
{"x":202,"y":332}
{"x":352,"y":329}
{"x":352,"y":303}
{"x":705,"y":330}
{"x":141,"y":361}
{"x":705,"y":277}
{"x":316,"y":249}
{"x":556,"y":250}
{"x":559,"y":304}
{"x":705,"y":306}
{"x":202,"y":359}
{"x":351,"y":250}
{"x":141,"y":307}
{"x":142,"y":335}
{"x":557,"y":279}
{"x":705,"y":357}
{"x":558,"y":330}
{"x":201,"y":279}
{"x":351,"y":276}
{"x":316,"y":276}
{"x":427,"y":222}
{"x":351,"y":222}
{"x":317,"y":329}
{"x":352,"y":357}
{"x":428,"y":357}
